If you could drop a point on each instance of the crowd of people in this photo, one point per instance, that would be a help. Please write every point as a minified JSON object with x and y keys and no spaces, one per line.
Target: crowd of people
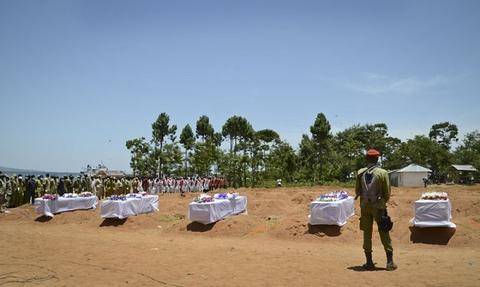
{"x":17,"y":190}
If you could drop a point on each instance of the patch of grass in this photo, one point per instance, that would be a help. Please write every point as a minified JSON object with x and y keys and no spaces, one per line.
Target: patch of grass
{"x":170,"y":218}
{"x":271,"y":221}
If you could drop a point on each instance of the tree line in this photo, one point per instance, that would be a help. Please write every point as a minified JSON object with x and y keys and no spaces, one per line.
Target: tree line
{"x":249,"y":157}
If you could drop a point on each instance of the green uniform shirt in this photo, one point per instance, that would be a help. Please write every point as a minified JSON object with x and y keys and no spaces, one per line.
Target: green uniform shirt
{"x":382,"y":177}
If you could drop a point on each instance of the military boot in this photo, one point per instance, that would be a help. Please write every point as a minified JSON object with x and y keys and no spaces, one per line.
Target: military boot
{"x":390,"y":265}
{"x":369,"y":265}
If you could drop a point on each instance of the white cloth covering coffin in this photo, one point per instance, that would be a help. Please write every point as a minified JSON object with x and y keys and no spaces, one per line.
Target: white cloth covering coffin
{"x":433,"y":213}
{"x":331,"y":213}
{"x":219,"y":209}
{"x":130,"y":207}
{"x":49,"y":207}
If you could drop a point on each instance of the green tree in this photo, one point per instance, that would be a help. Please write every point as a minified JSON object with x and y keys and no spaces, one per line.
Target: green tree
{"x":307,"y":158}
{"x":444,"y":133}
{"x":161,"y":129}
{"x":315,"y":151}
{"x":204,"y":129}
{"x":469,"y":151}
{"x":282,"y":162}
{"x":171,"y":158}
{"x":260,"y":146}
{"x":187,"y":139}
{"x":141,"y":161}
{"x":424,"y":151}
{"x":240,"y":134}
{"x":237,"y":130}
{"x":351,"y":144}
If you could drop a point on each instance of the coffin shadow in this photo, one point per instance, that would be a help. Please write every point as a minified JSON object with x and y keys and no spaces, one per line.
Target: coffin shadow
{"x":322,"y":230}
{"x":431,"y":235}
{"x":199,"y":227}
{"x":113,"y":222}
{"x":43,"y":218}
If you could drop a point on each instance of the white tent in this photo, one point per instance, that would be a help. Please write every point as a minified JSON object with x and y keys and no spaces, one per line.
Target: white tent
{"x":410,"y":176}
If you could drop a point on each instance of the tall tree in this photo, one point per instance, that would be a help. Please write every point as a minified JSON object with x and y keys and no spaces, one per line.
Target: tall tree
{"x":187,"y":139}
{"x":444,"y":133}
{"x":321,"y":139}
{"x":283,"y":162}
{"x":237,"y":129}
{"x":307,"y":158}
{"x":161,"y":129}
{"x":204,"y":129}
{"x":260,"y":147}
{"x":140,"y":162}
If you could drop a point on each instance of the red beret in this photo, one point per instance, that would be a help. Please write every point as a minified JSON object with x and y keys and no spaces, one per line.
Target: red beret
{"x":373,"y":153}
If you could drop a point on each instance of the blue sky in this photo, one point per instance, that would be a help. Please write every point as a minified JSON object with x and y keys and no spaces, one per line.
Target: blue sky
{"x":79,"y":78}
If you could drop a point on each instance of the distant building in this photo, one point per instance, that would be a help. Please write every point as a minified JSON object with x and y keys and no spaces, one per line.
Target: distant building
{"x":409,"y":176}
{"x":463,"y":173}
{"x":102,"y":171}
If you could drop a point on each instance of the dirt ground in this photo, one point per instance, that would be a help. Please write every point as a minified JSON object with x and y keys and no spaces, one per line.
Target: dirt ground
{"x":271,"y":246}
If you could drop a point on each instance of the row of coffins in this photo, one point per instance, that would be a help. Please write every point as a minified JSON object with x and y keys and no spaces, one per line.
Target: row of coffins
{"x":116,"y":206}
{"x":433,"y":209}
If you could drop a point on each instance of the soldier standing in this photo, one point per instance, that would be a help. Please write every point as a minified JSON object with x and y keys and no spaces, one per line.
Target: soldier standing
{"x":3,"y":192}
{"x":373,"y":188}
{"x":61,"y":186}
{"x":69,"y":184}
{"x":31,"y":190}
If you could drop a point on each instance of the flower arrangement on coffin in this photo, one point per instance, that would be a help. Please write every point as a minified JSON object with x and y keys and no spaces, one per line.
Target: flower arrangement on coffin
{"x":225,"y":195}
{"x":434,"y":195}
{"x":333,"y":196}
{"x":49,"y":196}
{"x":117,"y":197}
{"x":203,"y":198}
{"x":134,"y":195}
{"x":70,"y":195}
{"x":86,"y":194}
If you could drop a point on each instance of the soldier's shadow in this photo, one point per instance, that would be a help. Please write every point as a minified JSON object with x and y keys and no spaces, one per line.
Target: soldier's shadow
{"x":361,"y":269}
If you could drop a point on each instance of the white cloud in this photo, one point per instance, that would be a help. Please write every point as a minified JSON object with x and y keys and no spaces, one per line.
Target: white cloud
{"x":376,"y":84}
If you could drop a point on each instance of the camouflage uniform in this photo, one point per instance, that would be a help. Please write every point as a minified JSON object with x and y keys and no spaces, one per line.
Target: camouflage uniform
{"x":69,"y":185}
{"x":16,"y":195}
{"x":109,"y":187}
{"x":3,"y":194}
{"x":76,"y":185}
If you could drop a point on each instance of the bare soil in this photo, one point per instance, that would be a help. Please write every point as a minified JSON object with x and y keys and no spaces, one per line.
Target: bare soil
{"x":270,"y":246}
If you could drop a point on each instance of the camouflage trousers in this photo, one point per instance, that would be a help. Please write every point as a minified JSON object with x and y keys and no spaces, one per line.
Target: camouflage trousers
{"x":4,"y":198}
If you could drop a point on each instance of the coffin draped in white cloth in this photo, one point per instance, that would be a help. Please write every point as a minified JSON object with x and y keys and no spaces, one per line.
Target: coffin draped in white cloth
{"x":331,"y":213}
{"x":130,"y":207}
{"x":49,"y":207}
{"x":219,"y":209}
{"x":433,"y":213}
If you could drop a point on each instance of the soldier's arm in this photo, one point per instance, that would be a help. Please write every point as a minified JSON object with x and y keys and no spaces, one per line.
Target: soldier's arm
{"x":386,"y":187}
{"x":357,"y":187}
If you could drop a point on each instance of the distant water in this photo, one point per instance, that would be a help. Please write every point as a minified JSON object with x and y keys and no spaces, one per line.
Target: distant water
{"x":16,"y":171}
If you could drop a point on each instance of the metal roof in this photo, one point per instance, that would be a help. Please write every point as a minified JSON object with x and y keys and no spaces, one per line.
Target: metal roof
{"x":464,"y":167}
{"x":414,"y":168}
